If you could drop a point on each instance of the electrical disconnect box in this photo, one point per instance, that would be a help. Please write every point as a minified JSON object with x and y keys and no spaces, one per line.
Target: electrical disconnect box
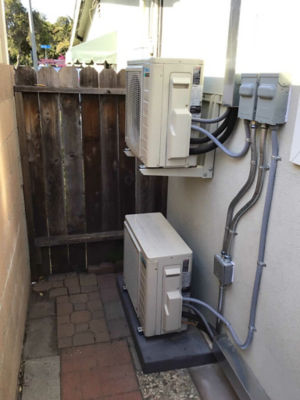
{"x":272,"y":99}
{"x":264,"y":98}
{"x":248,"y":92}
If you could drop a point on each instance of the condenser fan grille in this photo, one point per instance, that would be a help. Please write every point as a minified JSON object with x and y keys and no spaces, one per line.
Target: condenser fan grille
{"x":133,"y":110}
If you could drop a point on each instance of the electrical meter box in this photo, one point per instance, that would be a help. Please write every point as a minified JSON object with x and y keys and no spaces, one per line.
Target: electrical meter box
{"x":272,"y":99}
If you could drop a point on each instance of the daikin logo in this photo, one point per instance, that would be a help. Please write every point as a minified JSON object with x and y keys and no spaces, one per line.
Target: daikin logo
{"x":146,"y":72}
{"x":143,"y":262}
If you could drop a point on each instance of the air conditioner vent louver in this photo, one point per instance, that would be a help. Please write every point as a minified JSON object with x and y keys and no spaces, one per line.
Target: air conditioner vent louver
{"x":142,"y":295}
{"x":133,"y":109}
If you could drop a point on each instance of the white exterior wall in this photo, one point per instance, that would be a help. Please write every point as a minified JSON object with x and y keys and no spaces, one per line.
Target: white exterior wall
{"x":197,"y":209}
{"x":197,"y":29}
{"x":129,"y":20}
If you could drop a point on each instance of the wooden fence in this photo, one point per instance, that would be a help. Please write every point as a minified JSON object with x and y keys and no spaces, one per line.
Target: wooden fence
{"x":78,"y":183}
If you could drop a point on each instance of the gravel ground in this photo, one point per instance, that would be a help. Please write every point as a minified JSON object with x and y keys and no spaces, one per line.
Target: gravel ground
{"x":170,"y":385}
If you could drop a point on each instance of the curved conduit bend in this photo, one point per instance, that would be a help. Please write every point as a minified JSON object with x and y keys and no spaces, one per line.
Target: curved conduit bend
{"x":260,"y":262}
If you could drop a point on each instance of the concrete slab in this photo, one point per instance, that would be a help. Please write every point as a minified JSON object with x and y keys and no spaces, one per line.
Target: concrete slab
{"x":42,"y":379}
{"x":212,"y":383}
{"x":40,"y":338}
{"x":114,"y":310}
{"x":42,"y":309}
{"x":134,"y":356}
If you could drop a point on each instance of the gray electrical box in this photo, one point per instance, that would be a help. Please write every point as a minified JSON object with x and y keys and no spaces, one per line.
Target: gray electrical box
{"x":224,"y":269}
{"x":272,"y":99}
{"x":248,"y":92}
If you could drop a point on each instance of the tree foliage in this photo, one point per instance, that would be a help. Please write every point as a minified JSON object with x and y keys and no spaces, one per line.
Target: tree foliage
{"x":18,"y":35}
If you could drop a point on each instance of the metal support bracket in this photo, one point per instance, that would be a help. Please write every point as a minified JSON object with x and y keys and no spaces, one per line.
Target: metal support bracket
{"x":204,"y":170}
{"x":128,"y":152}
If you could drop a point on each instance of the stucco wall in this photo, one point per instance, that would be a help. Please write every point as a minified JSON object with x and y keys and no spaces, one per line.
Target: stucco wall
{"x":14,"y":263}
{"x":197,"y":209}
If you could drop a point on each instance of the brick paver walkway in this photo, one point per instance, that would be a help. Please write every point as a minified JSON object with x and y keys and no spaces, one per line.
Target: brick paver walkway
{"x":95,"y":360}
{"x":100,"y":371}
{"x":89,"y":354}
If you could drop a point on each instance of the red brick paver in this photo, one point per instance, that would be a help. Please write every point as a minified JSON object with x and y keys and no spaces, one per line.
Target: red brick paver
{"x":95,"y":364}
{"x":98,"y":372}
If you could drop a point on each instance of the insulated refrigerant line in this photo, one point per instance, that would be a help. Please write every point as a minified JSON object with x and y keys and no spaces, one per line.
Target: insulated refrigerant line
{"x":204,"y":144}
{"x":222,"y":132}
{"x":261,"y":254}
{"x":212,"y":120}
{"x":221,"y":146}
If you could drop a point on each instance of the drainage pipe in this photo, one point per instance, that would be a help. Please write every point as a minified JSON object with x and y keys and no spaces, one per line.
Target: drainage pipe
{"x":261,"y":254}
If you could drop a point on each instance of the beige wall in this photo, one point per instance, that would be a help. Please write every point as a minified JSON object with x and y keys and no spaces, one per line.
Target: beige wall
{"x":197,"y":209}
{"x":3,"y":38}
{"x":14,"y":263}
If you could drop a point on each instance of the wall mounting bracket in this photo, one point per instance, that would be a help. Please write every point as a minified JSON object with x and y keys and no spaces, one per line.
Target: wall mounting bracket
{"x":204,"y":169}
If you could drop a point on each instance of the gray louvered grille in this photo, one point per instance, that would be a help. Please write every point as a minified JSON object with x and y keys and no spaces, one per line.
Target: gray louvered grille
{"x":133,"y":106}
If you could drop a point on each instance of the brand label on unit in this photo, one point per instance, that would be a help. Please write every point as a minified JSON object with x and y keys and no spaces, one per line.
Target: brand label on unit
{"x":186,"y":274}
{"x":146,"y":72}
{"x":196,"y":94}
{"x":143,"y":262}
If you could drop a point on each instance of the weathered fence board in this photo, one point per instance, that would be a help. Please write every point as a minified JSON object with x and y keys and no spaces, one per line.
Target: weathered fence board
{"x":73,"y":165}
{"x":92,"y":157}
{"x":110,"y":218}
{"x":126,"y":164}
{"x":28,"y":119}
{"x":36,"y":170}
{"x":78,"y":183}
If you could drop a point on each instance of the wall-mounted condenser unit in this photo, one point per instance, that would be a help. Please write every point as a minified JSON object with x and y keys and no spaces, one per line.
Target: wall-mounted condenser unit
{"x":161,"y":93}
{"x":157,"y":268}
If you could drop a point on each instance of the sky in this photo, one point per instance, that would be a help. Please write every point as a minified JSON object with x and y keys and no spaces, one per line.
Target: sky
{"x":53,"y":9}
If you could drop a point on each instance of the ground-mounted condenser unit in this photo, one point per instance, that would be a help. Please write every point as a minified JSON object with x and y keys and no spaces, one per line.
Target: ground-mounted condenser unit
{"x":157,"y":267}
{"x":161,"y":94}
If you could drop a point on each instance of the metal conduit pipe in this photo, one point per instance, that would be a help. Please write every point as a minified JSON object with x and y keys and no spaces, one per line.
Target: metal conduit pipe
{"x":212,"y":120}
{"x":261,"y":254}
{"x":232,"y":223}
{"x":252,"y":172}
{"x":220,"y":306}
{"x":257,"y":192}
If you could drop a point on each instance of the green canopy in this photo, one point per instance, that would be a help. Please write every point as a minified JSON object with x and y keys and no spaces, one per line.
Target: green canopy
{"x":103,"y":48}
